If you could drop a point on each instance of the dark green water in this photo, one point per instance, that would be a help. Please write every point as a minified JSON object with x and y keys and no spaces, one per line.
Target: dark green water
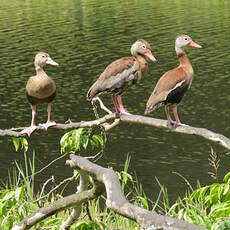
{"x":84,"y":37}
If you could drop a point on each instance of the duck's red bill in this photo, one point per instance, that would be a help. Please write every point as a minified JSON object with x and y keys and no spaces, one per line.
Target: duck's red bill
{"x":194,"y":44}
{"x":149,"y":54}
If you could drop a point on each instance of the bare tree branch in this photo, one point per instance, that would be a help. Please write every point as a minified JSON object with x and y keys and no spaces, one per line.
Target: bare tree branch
{"x":76,"y":211}
{"x":118,"y":203}
{"x":104,"y":180}
{"x":59,"y":205}
{"x":137,"y":119}
{"x":186,"y":129}
{"x":103,"y":107}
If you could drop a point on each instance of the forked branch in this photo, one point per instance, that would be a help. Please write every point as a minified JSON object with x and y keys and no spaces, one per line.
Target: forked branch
{"x":105,"y":180}
{"x":137,"y":119}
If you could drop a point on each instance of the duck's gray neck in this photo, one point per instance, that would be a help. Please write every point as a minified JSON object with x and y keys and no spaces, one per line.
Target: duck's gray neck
{"x":179,"y":50}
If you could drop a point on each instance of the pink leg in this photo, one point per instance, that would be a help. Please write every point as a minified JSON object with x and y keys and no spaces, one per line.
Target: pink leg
{"x":49,"y":123}
{"x":33,"y":127}
{"x":176,"y":115}
{"x":115,"y":104}
{"x":170,"y":121}
{"x":121,"y":107}
{"x":33,"y":115}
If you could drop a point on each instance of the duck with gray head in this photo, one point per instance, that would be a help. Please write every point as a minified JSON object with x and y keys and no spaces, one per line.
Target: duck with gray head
{"x":172,"y":86}
{"x":40,"y":89}
{"x":122,"y":73}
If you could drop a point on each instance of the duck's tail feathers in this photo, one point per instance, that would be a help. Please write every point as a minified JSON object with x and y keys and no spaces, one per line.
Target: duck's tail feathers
{"x":152,"y":108}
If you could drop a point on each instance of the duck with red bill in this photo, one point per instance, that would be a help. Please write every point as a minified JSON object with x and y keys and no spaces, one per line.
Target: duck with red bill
{"x":122,"y":73}
{"x":172,"y":86}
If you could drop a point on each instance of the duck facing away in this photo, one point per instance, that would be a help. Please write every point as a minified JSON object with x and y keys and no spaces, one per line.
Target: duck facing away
{"x":172,"y":86}
{"x":40,"y":89}
{"x":122,"y":73}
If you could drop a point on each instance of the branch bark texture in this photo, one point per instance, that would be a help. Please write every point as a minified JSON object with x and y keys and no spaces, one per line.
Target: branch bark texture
{"x":61,"y":204}
{"x":137,"y":119}
{"x":105,"y":180}
{"x":76,"y":211}
{"x":119,"y":204}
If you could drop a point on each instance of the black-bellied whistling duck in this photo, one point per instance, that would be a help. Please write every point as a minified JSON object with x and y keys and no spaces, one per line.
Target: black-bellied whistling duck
{"x":40,"y":89}
{"x":172,"y":86}
{"x":121,"y":73}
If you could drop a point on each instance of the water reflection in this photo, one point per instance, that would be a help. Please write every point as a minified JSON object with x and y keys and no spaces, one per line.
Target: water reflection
{"x":85,"y":36}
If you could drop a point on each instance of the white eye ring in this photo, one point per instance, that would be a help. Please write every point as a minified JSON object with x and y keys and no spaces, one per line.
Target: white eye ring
{"x":144,"y":47}
{"x":186,"y":39}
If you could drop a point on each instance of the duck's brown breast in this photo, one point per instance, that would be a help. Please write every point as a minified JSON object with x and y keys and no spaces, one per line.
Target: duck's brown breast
{"x":40,"y":87}
{"x":34,"y":100}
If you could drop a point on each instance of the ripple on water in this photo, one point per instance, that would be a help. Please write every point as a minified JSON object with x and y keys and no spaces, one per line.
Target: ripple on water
{"x":84,"y":37}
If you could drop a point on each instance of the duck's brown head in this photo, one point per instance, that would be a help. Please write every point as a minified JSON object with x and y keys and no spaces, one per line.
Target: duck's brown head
{"x":184,"y":40}
{"x":143,"y":48}
{"x":42,"y":59}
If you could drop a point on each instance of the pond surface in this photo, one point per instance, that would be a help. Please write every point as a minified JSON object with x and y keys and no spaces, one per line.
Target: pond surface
{"x":84,"y":37}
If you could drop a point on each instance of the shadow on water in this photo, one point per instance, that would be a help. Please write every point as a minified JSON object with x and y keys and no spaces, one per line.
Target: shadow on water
{"x":85,"y":36}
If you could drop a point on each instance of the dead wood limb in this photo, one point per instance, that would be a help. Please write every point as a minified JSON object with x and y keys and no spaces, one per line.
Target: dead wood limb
{"x":15,"y":132}
{"x":186,"y":129}
{"x":119,"y":204}
{"x":104,"y":180}
{"x":137,"y":119}
{"x":76,"y":211}
{"x":59,"y":205}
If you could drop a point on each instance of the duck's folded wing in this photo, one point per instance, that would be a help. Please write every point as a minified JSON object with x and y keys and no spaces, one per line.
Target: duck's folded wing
{"x":168,"y":82}
{"x":116,"y":75}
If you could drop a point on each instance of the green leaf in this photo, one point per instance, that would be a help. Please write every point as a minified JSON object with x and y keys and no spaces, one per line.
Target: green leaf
{"x":72,"y":141}
{"x":96,"y":140}
{"x":77,"y":138}
{"x":85,"y":140}
{"x":87,"y":226}
{"x":66,"y":142}
{"x":18,"y":193}
{"x":64,"y":137}
{"x":16,"y":142}
{"x":99,"y":138}
{"x":227,"y":177}
{"x":25,"y":144}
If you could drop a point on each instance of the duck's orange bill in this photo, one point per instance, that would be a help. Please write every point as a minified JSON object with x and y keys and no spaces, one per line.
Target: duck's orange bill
{"x":149,"y":54}
{"x":194,"y":44}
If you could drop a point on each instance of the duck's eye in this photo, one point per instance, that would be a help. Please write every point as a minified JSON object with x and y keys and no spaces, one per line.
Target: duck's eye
{"x":186,"y":39}
{"x":144,"y":47}
{"x":43,"y":56}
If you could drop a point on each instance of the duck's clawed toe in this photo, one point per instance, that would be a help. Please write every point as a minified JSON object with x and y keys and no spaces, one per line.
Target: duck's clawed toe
{"x":124,"y":112}
{"x":174,"y":125}
{"x":29,"y":130}
{"x":48,"y":124}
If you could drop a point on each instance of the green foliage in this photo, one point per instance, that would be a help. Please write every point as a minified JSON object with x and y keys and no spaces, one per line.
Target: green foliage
{"x":83,"y":225}
{"x":207,"y":206}
{"x":20,"y":142}
{"x":124,"y":176}
{"x":16,"y":199}
{"x":79,"y":139}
